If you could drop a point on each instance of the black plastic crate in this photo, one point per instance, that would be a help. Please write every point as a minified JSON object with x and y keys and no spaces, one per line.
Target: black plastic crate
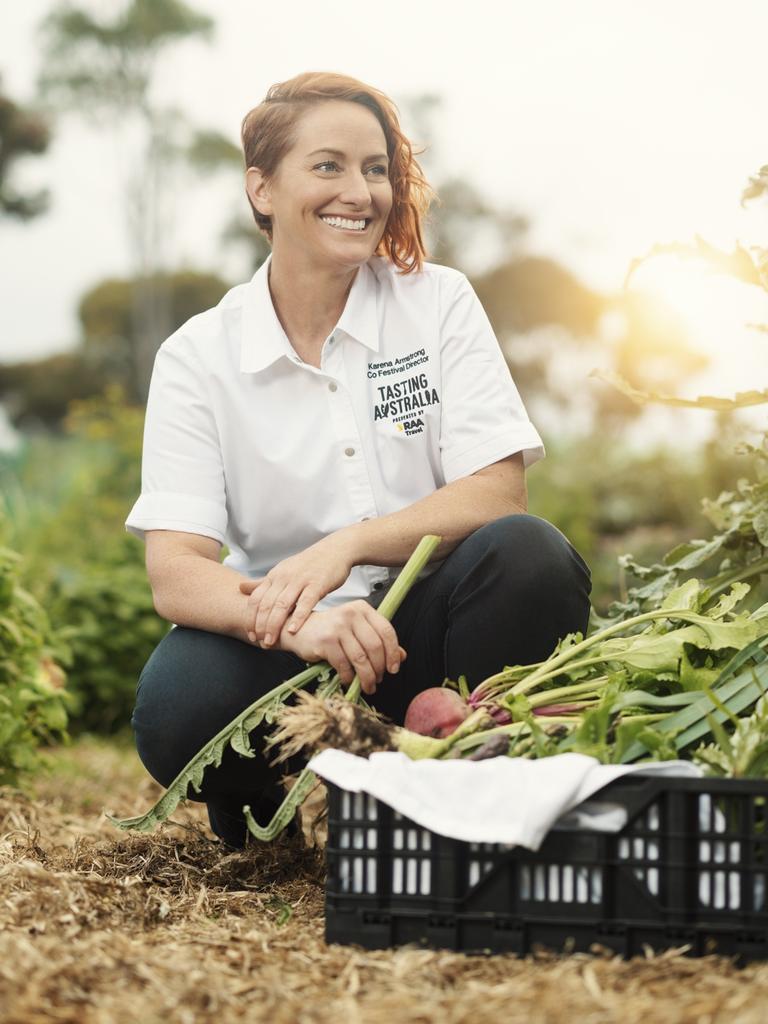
{"x":689,"y":867}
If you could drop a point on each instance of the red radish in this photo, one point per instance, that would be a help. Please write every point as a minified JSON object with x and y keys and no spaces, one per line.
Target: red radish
{"x":436,"y":712}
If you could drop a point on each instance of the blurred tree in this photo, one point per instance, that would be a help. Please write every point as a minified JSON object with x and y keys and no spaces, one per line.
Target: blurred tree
{"x":106,"y":316}
{"x":209,"y":153}
{"x":103,"y":69}
{"x":463,"y":215}
{"x":23,"y":132}
{"x":534,"y":291}
{"x":37,"y":394}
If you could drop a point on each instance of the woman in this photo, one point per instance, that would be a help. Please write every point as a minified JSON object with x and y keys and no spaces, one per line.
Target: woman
{"x":319,"y":421}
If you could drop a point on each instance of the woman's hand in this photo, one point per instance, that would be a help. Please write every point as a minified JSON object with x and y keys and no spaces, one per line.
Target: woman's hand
{"x":295,"y":585}
{"x":354,"y":638}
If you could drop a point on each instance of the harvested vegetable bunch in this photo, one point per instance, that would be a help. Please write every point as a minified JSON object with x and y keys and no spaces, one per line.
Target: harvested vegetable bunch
{"x":608,"y":695}
{"x":313,"y":724}
{"x":683,"y":647}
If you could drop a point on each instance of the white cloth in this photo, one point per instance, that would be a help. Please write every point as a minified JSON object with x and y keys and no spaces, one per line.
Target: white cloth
{"x":509,"y":800}
{"x":247,"y":444}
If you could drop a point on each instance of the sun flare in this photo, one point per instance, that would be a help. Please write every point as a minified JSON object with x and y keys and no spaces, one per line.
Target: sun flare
{"x":713,"y":307}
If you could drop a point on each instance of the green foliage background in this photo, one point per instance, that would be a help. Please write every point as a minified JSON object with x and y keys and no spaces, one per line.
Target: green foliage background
{"x":32,"y":703}
{"x":67,"y":500}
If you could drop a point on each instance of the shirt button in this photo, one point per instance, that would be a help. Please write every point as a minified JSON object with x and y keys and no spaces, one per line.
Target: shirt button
{"x":332,"y":386}
{"x":349,"y":451}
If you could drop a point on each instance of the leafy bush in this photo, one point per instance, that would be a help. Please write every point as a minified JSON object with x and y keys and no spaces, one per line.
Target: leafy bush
{"x":84,"y":566}
{"x":608,"y":500}
{"x":109,"y":621}
{"x":32,"y":701}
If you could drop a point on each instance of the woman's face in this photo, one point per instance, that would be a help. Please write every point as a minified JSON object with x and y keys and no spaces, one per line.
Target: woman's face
{"x":337,"y":168}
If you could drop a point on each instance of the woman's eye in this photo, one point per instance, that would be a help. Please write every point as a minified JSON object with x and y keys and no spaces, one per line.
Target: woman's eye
{"x":379,"y":168}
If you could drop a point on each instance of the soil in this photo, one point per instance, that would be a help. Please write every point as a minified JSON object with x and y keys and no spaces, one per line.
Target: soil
{"x":99,"y":926}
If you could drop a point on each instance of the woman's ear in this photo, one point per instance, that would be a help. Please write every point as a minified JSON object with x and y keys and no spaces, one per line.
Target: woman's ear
{"x":257,"y":187}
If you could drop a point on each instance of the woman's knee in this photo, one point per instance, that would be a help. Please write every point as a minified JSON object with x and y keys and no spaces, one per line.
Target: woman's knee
{"x":193,"y":684}
{"x":536,"y":551}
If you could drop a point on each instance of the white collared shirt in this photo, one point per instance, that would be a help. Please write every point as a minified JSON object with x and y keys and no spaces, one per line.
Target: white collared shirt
{"x":247,"y":444}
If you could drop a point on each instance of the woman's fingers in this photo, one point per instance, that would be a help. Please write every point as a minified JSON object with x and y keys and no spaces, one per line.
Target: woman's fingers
{"x":274,"y":610}
{"x":254,"y":589}
{"x":336,"y":656}
{"x":304,"y":607}
{"x":248,"y":586}
{"x":358,"y":657}
{"x":372,"y":645}
{"x":388,"y":636}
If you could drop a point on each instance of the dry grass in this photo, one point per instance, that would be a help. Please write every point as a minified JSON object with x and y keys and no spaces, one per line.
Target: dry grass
{"x":99,"y":927}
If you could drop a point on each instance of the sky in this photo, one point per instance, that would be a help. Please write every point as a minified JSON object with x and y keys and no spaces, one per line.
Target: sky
{"x":611,"y":125}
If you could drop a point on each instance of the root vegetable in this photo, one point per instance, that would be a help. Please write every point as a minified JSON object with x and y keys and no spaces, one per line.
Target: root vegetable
{"x":436,"y":712}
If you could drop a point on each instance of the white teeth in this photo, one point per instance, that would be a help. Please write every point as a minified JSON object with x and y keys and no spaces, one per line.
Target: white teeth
{"x":342,"y":222}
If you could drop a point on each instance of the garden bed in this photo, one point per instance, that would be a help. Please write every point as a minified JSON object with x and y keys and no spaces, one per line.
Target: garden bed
{"x":98,"y":926}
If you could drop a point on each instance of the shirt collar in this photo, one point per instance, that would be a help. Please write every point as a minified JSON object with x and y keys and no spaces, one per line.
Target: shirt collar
{"x":263,"y":339}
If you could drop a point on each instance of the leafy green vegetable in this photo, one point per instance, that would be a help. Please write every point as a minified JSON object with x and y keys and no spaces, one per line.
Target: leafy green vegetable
{"x":737,"y":691}
{"x":742,"y":753}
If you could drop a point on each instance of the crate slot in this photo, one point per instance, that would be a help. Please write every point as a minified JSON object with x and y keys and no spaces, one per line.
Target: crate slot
{"x":561,"y":883}
{"x":758,"y":892}
{"x":641,"y":845}
{"x":411,"y":875}
{"x":358,"y":807}
{"x":478,"y":868}
{"x":357,"y":874}
{"x":719,"y":889}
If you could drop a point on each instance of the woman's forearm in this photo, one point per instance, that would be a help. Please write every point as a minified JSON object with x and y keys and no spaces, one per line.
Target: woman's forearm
{"x":200,"y":593}
{"x":453,"y":512}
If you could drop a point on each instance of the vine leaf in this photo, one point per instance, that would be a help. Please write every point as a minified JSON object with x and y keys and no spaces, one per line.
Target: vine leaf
{"x":740,"y":401}
{"x":235,"y":734}
{"x":286,"y":811}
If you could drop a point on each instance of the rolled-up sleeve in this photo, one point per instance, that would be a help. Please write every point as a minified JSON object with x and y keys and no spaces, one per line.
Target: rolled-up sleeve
{"x":182,"y":475}
{"x":483,"y":418}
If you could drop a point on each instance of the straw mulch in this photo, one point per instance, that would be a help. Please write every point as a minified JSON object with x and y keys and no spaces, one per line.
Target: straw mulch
{"x":97,"y":926}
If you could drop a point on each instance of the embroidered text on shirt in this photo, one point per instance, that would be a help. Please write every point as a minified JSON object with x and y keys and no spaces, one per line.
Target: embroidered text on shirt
{"x":399,"y":400}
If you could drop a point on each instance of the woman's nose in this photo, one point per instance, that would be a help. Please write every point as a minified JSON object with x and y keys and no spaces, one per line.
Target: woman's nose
{"x":357,"y":191}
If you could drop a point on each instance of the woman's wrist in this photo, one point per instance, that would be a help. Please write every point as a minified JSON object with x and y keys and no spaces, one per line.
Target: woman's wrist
{"x":350,"y":540}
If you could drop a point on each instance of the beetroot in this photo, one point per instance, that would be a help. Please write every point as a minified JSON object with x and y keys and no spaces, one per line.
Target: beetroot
{"x":436,"y":712}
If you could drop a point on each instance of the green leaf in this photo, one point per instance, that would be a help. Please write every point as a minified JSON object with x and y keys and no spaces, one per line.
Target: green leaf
{"x":285,"y":812}
{"x":737,"y":692}
{"x":729,"y":600}
{"x":212,"y":753}
{"x":721,"y":736}
{"x":643,"y":699}
{"x":741,"y":400}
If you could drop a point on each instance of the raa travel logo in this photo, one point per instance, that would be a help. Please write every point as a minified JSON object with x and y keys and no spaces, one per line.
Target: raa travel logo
{"x":411,"y":426}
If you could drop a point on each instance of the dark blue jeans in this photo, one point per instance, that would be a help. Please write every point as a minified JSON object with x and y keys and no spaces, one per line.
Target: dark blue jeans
{"x":504,"y":596}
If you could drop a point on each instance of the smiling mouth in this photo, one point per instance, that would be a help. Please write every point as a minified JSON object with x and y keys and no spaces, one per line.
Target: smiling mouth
{"x":344,"y":224}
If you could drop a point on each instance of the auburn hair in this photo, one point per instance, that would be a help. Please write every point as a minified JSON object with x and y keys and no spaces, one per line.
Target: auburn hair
{"x":268,"y":133}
